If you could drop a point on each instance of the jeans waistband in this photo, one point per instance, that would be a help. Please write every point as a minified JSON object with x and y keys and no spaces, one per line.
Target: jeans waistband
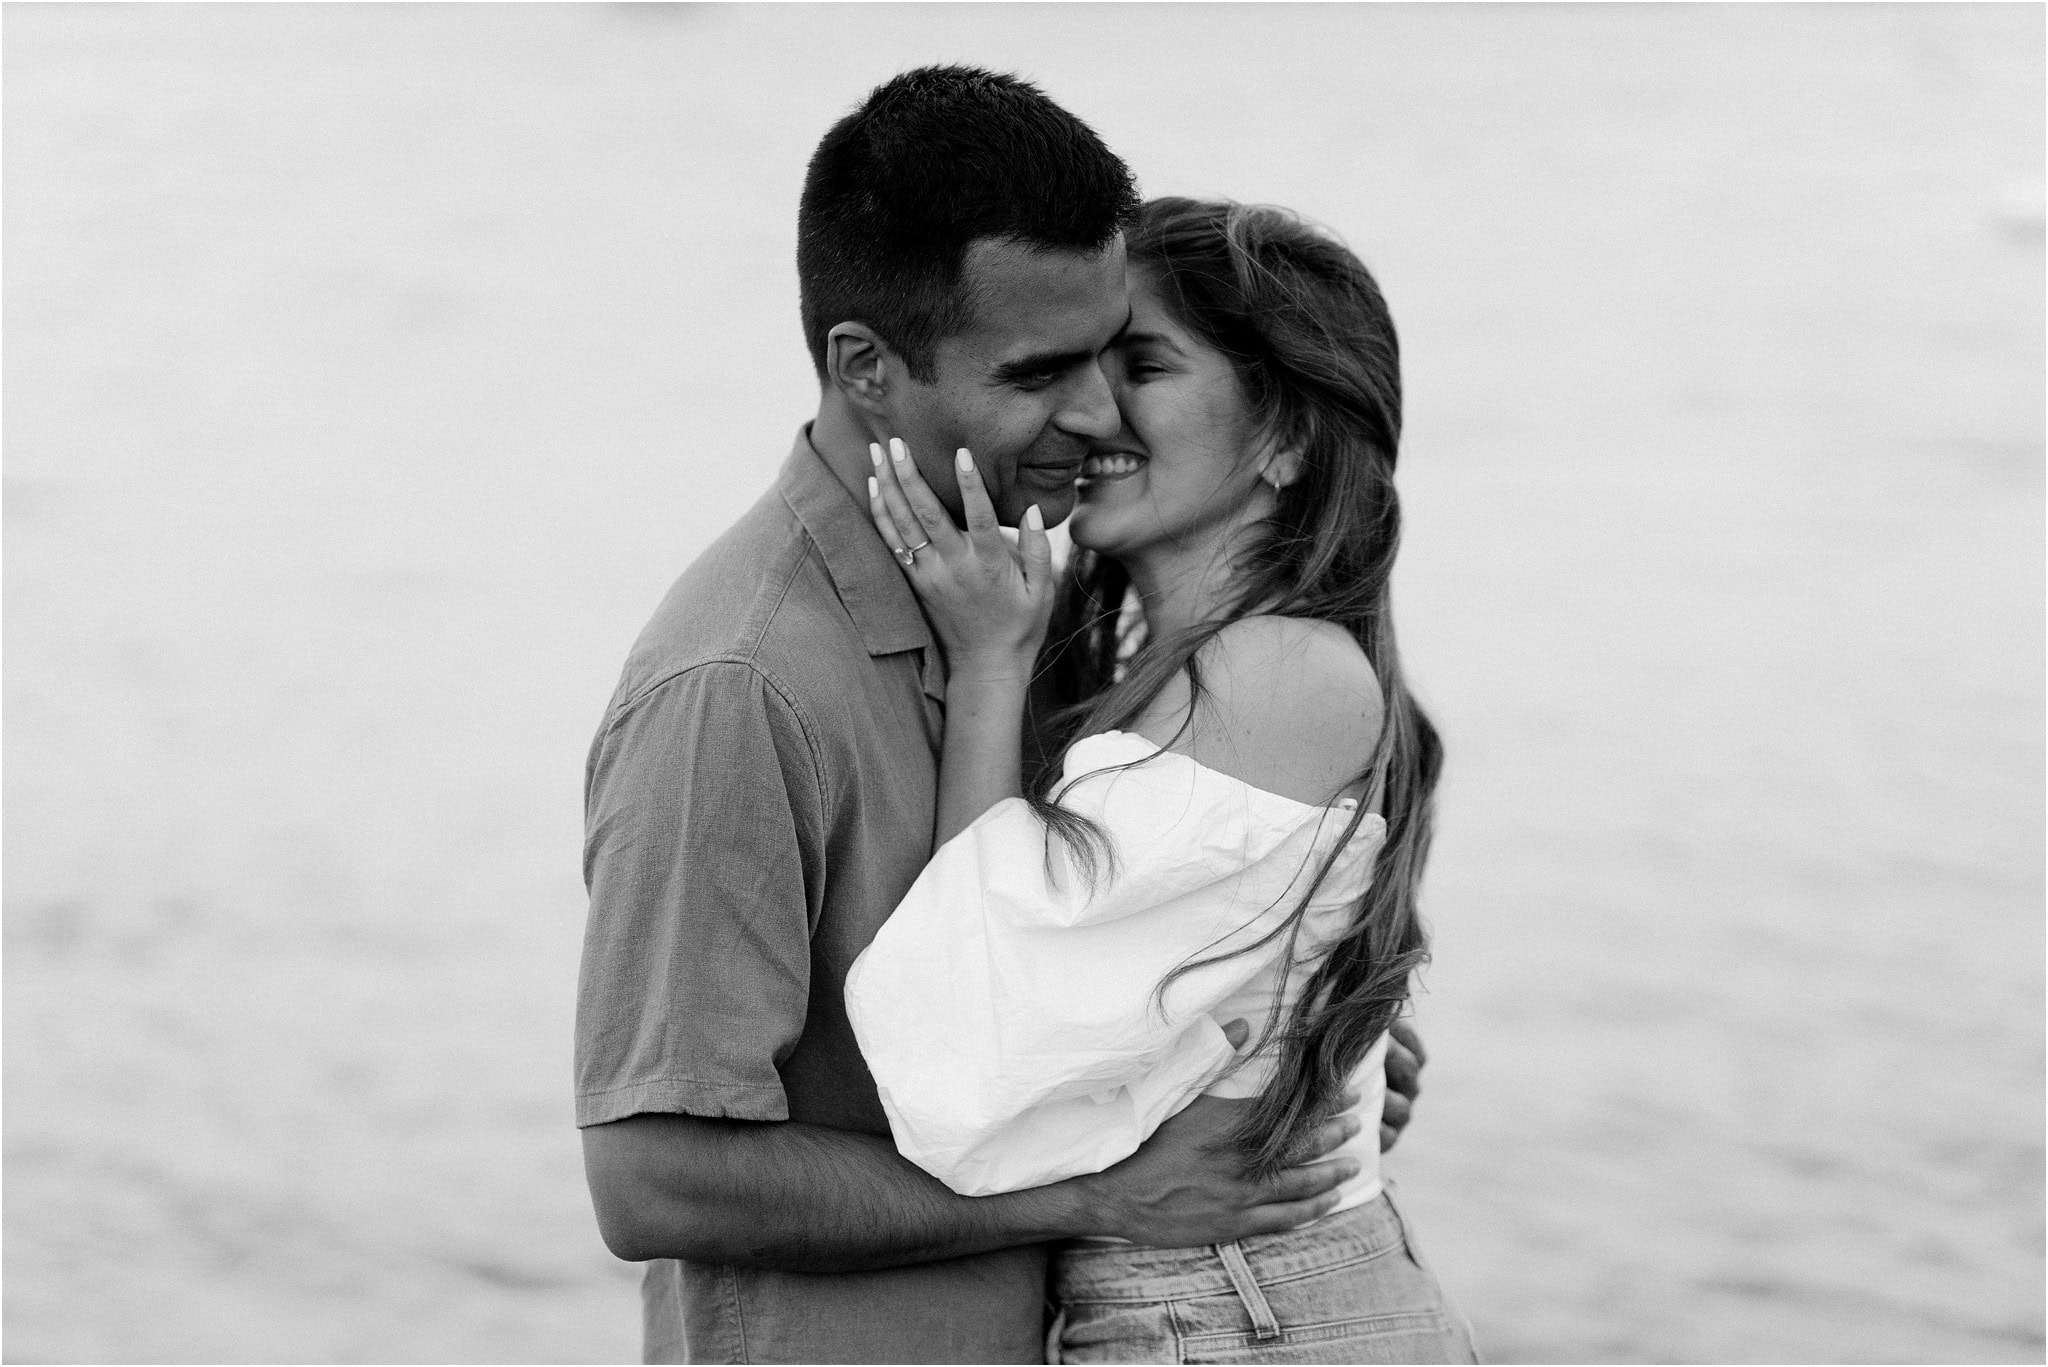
{"x":1132,"y":1272}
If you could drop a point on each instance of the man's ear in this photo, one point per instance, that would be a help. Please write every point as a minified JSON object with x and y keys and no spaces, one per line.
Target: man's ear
{"x":861,"y":366}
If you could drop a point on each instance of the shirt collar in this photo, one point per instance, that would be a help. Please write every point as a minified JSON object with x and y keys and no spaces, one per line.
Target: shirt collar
{"x":869,"y":582}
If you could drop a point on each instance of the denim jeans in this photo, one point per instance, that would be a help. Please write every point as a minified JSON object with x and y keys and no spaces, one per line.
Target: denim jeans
{"x":1349,"y":1288}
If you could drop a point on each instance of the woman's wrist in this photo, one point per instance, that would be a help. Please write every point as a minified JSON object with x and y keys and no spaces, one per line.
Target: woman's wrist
{"x":990,"y":668}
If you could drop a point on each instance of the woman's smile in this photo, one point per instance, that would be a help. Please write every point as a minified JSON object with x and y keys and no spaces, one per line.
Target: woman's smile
{"x":1107,"y":466}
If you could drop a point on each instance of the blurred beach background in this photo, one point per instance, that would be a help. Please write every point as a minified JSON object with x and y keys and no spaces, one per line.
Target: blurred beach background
{"x":371,"y":370}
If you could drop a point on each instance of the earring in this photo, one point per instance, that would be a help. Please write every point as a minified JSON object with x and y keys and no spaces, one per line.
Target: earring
{"x":1271,"y":479}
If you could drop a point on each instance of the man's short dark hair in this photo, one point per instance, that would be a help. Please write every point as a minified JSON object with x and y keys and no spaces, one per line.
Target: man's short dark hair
{"x":932,"y":161}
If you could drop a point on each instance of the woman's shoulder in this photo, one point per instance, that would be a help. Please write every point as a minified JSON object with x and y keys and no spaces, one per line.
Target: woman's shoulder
{"x":1271,"y":644}
{"x":1289,"y":704}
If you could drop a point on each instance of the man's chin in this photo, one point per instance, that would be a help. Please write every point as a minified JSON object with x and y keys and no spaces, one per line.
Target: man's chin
{"x":1055,"y":507}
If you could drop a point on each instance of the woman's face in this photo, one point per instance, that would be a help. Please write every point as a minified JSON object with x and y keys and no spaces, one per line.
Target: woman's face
{"x":1181,"y":473}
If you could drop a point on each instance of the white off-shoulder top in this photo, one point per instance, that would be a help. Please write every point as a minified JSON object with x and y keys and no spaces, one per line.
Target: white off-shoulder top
{"x":1008,"y":1009}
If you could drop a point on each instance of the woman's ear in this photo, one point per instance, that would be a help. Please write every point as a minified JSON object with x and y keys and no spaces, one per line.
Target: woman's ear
{"x":859,"y":364}
{"x":1282,"y":467}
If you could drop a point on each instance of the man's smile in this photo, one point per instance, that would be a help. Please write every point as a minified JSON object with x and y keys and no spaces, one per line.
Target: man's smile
{"x":1060,"y":472}
{"x":1057,"y":466}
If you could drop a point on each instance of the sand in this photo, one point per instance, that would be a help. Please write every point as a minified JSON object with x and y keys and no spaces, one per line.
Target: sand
{"x":371,"y":370}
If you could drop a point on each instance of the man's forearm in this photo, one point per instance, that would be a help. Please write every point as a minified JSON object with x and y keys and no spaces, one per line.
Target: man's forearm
{"x":800,"y":1198}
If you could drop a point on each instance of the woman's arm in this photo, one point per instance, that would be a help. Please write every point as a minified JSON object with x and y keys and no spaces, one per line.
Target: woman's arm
{"x":983,"y":758}
{"x":1011,"y":1009}
{"x":989,"y":605}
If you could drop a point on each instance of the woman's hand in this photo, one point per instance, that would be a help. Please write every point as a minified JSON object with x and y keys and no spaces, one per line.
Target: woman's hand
{"x":988,"y":603}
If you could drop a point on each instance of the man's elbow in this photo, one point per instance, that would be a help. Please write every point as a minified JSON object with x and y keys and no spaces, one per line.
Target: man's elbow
{"x":619,"y":1203}
{"x":627,"y":1236}
{"x":641,"y":1214}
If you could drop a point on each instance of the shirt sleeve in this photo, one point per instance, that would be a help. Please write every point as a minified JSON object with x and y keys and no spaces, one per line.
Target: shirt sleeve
{"x":1008,"y":1009}
{"x":704,"y":821}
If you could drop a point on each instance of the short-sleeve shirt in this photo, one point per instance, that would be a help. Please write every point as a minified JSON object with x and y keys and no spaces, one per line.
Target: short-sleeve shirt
{"x":758,"y":800}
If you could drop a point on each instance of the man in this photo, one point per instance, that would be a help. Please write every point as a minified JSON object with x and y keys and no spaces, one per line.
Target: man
{"x":761,"y":794}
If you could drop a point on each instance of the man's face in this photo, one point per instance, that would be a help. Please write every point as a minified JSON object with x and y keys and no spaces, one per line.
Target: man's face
{"x":1022,"y":386}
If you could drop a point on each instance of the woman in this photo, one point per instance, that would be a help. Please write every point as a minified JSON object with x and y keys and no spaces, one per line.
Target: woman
{"x":1215,"y":892}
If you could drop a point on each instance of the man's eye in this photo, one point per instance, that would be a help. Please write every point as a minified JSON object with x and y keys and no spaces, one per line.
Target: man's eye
{"x":1037,"y":379}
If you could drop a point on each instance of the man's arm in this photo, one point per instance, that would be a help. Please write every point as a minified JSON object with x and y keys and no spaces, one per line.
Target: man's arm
{"x":705,"y":832}
{"x":1405,"y":1057}
{"x":805,"y":1198}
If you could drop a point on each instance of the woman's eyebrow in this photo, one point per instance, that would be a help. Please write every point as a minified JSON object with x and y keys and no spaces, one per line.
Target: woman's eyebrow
{"x":1152,"y":338}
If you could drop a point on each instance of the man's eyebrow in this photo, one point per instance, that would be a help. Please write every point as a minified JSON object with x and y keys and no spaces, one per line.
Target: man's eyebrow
{"x":1042,"y":363}
{"x":1052,"y":362}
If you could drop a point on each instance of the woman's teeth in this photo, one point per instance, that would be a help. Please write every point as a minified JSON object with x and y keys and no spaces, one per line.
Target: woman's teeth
{"x":1096,"y":467}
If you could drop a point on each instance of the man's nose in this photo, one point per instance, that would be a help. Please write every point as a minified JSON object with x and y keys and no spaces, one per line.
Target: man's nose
{"x":1090,"y":409}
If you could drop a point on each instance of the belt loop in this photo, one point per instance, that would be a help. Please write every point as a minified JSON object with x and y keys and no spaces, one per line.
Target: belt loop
{"x":1265,"y":1324}
{"x":1054,"y":1332}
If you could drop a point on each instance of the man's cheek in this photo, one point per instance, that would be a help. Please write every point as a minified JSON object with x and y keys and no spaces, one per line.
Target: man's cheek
{"x":993,"y":439}
{"x":1024,"y":426}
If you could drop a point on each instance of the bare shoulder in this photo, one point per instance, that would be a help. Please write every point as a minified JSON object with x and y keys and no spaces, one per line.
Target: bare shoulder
{"x":1288,"y":704}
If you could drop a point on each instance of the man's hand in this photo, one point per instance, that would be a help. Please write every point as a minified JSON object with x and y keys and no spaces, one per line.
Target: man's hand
{"x":1187,"y":1185}
{"x":1405,"y":1058}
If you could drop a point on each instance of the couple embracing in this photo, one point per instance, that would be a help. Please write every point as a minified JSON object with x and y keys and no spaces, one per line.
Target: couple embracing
{"x":995,"y":963}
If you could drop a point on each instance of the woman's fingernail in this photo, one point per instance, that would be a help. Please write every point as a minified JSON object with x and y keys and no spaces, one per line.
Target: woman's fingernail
{"x":963,"y":460}
{"x":874,"y":489}
{"x":897,"y":449}
{"x":875,"y":451}
{"x":1349,"y":1169}
{"x":1034,"y":519}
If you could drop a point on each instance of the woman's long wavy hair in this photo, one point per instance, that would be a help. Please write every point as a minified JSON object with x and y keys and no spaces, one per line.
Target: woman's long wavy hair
{"x":1304,"y":325}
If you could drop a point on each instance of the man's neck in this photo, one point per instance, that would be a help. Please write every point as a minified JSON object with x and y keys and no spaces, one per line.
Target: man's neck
{"x":839,"y":435}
